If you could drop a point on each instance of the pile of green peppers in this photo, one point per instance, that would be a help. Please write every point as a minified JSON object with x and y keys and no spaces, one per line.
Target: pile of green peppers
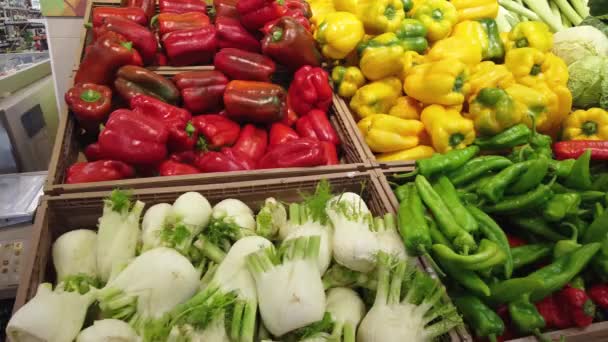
{"x":457,"y":208}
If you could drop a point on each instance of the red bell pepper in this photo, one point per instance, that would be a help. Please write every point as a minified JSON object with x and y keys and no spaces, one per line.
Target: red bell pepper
{"x":133,"y":137}
{"x":98,"y":171}
{"x":93,"y":152}
{"x":225,"y":8}
{"x":160,"y":59}
{"x":316,"y":125}
{"x":182,"y":134}
{"x":578,"y":305}
{"x":290,"y":117}
{"x":217,"y":131}
{"x":231,"y":34}
{"x":135,"y":56}
{"x":90,"y":103}
{"x":148,"y":6}
{"x":291,"y":45}
{"x":303,"y":152}
{"x":257,"y":102}
{"x":599,"y":294}
{"x":191,"y":47}
{"x":143,"y":39}
{"x":281,"y":133}
{"x":252,"y":142}
{"x":574,"y":148}
{"x":202,"y":91}
{"x":255,"y":13}
{"x":223,"y":161}
{"x":244,"y":65}
{"x":182,"y":6}
{"x":331,"y":153}
{"x":554,"y":313}
{"x":169,"y":22}
{"x":310,"y":89}
{"x":109,"y":52}
{"x":297,"y":10}
{"x":132,"y":13}
{"x":133,"y":80}
{"x":174,"y":168}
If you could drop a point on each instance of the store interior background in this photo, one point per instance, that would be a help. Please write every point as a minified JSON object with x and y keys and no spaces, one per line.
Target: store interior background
{"x":37,"y":58}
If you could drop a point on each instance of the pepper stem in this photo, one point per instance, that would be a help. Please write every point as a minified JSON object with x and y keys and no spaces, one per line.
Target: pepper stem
{"x":90,"y":95}
{"x":535,"y":70}
{"x":128,"y":45}
{"x":458,"y":83}
{"x":389,"y":12}
{"x":522,"y":42}
{"x":437,"y":14}
{"x":456,"y":139}
{"x":201,"y":144}
{"x":277,"y":34}
{"x":589,"y":128}
{"x":190,"y":129}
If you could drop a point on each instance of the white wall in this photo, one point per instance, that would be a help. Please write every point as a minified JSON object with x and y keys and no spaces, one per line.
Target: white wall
{"x":63,"y":36}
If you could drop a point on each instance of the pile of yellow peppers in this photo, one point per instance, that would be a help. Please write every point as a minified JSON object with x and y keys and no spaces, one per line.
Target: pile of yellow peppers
{"x":426,"y":76}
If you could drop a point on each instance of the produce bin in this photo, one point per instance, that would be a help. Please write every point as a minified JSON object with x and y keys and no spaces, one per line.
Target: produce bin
{"x":595,"y":332}
{"x":59,"y":214}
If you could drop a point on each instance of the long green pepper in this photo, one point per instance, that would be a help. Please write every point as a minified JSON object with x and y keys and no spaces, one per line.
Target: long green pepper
{"x":441,"y":163}
{"x":494,"y":189}
{"x":412,"y":223}
{"x":447,"y":192}
{"x":466,"y":278}
{"x":580,"y":176}
{"x":481,"y":318}
{"x":529,"y":254}
{"x":537,"y":226}
{"x":509,"y":138}
{"x":531,"y":178}
{"x":523,"y":202}
{"x":489,"y":254}
{"x":494,"y":233}
{"x":477,"y":167}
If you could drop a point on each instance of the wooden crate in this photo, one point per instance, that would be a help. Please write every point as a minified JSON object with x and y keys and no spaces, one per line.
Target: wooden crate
{"x":67,"y":150}
{"x":60,"y":214}
{"x":596,"y":332}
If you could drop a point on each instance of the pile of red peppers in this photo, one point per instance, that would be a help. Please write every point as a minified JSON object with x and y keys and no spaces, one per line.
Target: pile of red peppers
{"x":232,"y":118}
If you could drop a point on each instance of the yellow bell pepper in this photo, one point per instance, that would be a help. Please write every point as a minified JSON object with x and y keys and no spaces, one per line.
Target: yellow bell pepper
{"x":382,"y":16}
{"x":319,"y":9}
{"x":439,"y":16}
{"x":462,"y":48}
{"x":475,"y":9}
{"x":484,"y":33}
{"x":338,"y":34}
{"x":410,"y":59}
{"x":534,"y":34}
{"x":347,"y":80}
{"x":493,"y":111}
{"x":531,"y":66}
{"x":376,"y":97}
{"x":381,"y":57}
{"x":442,"y":82}
{"x":472,"y":30}
{"x":386,"y":133}
{"x":447,"y":128}
{"x":406,"y":107}
{"x":351,"y":6}
{"x":414,"y":153}
{"x":591,"y":124}
{"x":489,"y":75}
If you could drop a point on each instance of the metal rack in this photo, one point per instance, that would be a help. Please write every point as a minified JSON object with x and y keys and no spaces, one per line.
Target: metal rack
{"x":21,"y":26}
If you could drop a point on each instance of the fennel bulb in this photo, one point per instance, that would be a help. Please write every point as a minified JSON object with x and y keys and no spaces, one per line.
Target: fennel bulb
{"x":271,"y":218}
{"x":152,"y":225}
{"x":340,"y":276}
{"x":50,"y":316}
{"x":407,"y":301}
{"x":151,"y":285}
{"x":288,"y":283}
{"x":346,"y":310}
{"x":231,"y":220}
{"x":118,"y":234}
{"x":192,"y":209}
{"x":354,"y":244}
{"x":108,"y":330}
{"x":389,"y":240}
{"x":75,"y":260}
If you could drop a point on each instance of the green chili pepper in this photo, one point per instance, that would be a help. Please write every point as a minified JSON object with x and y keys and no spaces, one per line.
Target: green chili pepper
{"x":412,"y":224}
{"x":442,"y":163}
{"x":494,"y":189}
{"x":509,"y":290}
{"x":597,"y":230}
{"x":600,"y":262}
{"x":478,"y":183}
{"x":564,"y":247}
{"x":401,"y":192}
{"x":580,"y":177}
{"x":525,"y":316}
{"x":509,"y":138}
{"x":436,"y":235}
{"x":482,"y":319}
{"x":529,"y":254}
{"x":488,"y":255}
{"x":531,"y":178}
{"x":562,"y":168}
{"x":468,"y":197}
{"x":600,"y":182}
{"x":586,"y":196}
{"x":447,"y":192}
{"x":466,"y":278}
{"x":539,"y":141}
{"x":519,"y":203}
{"x":461,"y":239}
{"x":537,"y":226}
{"x":561,"y":205}
{"x":557,"y":274}
{"x":477,"y":167}
{"x":494,"y":233}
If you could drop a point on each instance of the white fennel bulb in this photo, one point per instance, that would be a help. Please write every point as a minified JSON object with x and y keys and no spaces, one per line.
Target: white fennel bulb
{"x":192,"y":209}
{"x":75,"y":260}
{"x":231,"y":220}
{"x":108,"y":330}
{"x":271,"y":218}
{"x":118,"y":234}
{"x":288,"y":283}
{"x":55,"y":316}
{"x":389,"y":240}
{"x":151,"y":285}
{"x":346,"y":310}
{"x":152,"y":225}
{"x":311,"y":228}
